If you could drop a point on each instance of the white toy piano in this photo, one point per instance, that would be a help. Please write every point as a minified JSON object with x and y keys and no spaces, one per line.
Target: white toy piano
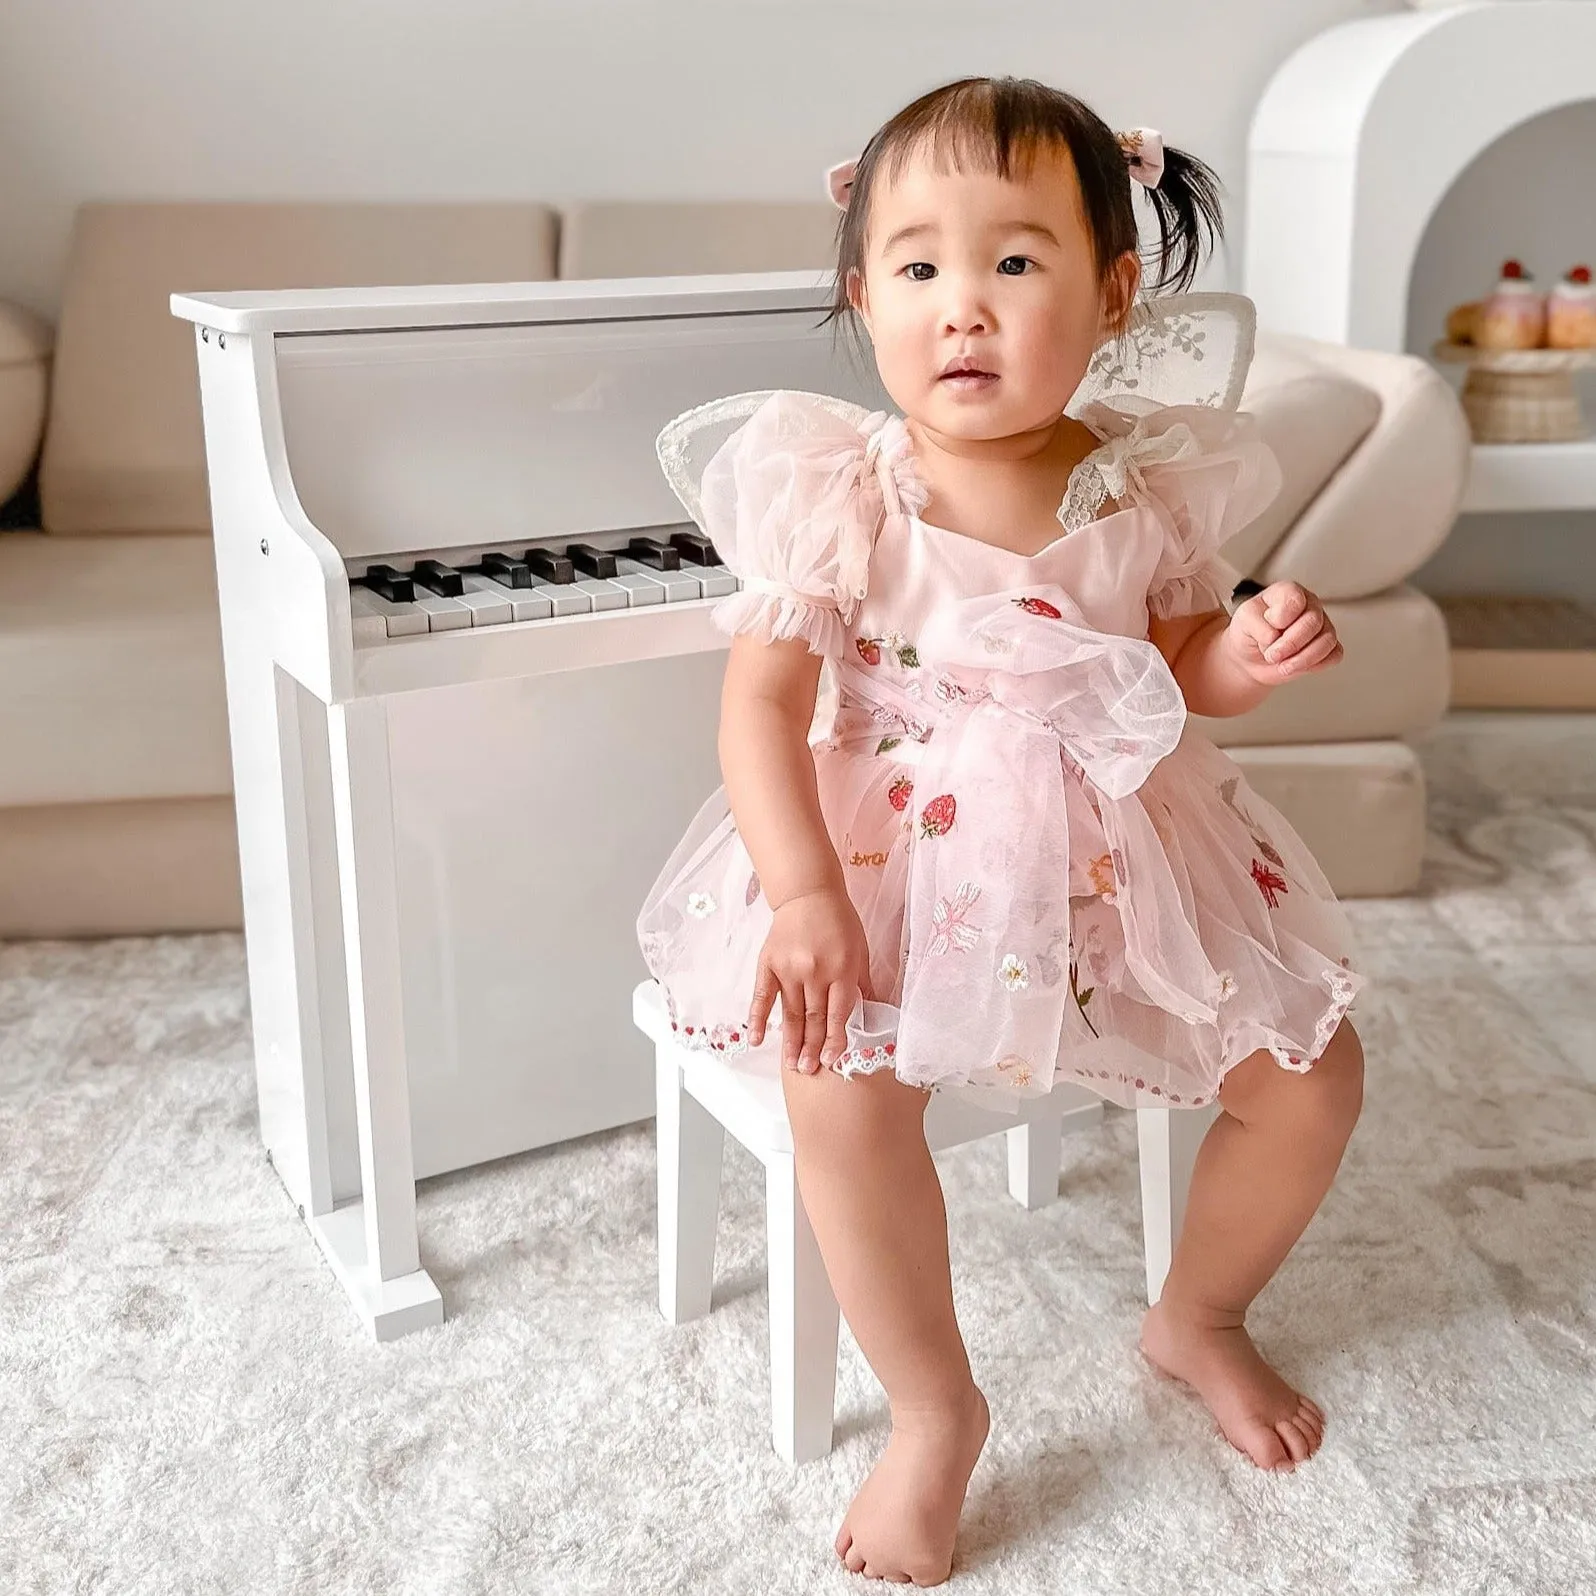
{"x":472,"y":689}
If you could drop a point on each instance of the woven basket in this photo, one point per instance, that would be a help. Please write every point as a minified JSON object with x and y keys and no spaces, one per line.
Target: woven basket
{"x":1521,"y":395}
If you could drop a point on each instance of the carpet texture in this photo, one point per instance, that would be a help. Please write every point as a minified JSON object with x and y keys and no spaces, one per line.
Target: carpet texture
{"x":187,"y":1403}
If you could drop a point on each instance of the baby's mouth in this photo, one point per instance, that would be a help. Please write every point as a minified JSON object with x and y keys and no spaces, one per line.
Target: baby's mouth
{"x":967,"y":377}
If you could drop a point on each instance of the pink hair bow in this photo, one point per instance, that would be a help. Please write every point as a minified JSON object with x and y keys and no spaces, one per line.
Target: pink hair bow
{"x":839,"y":180}
{"x":1144,"y":154}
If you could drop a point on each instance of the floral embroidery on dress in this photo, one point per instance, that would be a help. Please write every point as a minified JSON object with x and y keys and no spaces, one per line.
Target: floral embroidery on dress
{"x":887,"y":744}
{"x":1012,"y":972}
{"x":950,"y":917}
{"x":1269,"y":883}
{"x":700,"y":905}
{"x":1101,"y":871}
{"x":895,"y":643}
{"x":753,"y":890}
{"x":864,"y":1060}
{"x":1082,"y":998}
{"x":1017,"y":1068}
{"x":936,"y":819}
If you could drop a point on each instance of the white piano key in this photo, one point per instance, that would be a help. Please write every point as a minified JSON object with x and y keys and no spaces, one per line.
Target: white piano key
{"x":443,"y":614}
{"x":487,"y":609}
{"x":640,"y":590}
{"x":604,"y":593}
{"x":376,"y":618}
{"x":564,"y":598}
{"x":676,"y":585}
{"x":526,"y":604}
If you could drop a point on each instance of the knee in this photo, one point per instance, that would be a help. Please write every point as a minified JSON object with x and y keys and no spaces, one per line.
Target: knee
{"x":1329,"y":1098}
{"x":1322,"y":1104}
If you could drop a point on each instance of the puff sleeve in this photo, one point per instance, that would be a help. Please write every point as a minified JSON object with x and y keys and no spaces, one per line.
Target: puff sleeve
{"x":793,"y":504}
{"x":1207,"y":473}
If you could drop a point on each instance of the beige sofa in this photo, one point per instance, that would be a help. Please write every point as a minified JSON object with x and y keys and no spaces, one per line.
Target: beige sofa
{"x":115,"y":813}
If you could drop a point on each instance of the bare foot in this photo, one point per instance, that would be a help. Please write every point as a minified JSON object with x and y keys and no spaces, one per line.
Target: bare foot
{"x":902,"y":1523}
{"x":1259,"y":1413}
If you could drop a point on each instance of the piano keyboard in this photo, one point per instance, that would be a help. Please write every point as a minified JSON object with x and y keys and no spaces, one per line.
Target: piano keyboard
{"x":495,"y":587}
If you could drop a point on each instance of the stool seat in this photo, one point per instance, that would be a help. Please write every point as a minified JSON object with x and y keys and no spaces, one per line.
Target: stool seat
{"x":700,"y":1095}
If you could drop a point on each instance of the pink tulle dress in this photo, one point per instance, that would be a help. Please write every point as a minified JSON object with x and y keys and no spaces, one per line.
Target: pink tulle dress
{"x":1059,"y":878}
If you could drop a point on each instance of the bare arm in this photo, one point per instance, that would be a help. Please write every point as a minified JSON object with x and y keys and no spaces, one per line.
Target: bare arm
{"x":766,"y":705}
{"x":816,"y":958}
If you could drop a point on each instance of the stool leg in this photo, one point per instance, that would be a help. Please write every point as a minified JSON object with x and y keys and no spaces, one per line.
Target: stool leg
{"x":1036,"y":1148}
{"x":803,"y":1323}
{"x":689,"y":1142}
{"x":1167,"y":1142}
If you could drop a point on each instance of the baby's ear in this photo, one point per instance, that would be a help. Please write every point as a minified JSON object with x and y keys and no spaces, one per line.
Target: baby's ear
{"x":857,"y":297}
{"x":1124,"y":278}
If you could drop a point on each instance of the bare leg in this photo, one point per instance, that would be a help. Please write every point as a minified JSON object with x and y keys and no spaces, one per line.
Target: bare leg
{"x":1261,"y":1173}
{"x":875,"y":1202}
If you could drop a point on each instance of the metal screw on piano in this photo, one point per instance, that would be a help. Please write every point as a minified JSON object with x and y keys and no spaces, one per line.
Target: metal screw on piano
{"x":472,"y":693}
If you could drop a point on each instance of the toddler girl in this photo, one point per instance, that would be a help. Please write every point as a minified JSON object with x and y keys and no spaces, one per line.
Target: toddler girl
{"x":1008,"y":860}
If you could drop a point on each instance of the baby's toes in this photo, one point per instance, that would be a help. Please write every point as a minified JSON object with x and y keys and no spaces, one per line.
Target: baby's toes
{"x":1297,"y":1440}
{"x":1262,"y":1444}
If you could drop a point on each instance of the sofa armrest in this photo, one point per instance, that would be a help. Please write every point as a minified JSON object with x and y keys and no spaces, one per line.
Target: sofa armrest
{"x":1393,"y":501}
{"x":24,"y":388}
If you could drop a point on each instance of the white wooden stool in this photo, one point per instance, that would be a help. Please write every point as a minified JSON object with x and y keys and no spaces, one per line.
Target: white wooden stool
{"x":702,"y":1095}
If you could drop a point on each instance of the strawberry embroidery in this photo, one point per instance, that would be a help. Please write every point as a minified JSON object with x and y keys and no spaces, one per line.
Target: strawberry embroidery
{"x":1269,"y":883}
{"x":895,"y":643}
{"x":936,"y":819}
{"x":898,"y":793}
{"x":869,"y":650}
{"x":753,"y":890}
{"x":1036,"y":606}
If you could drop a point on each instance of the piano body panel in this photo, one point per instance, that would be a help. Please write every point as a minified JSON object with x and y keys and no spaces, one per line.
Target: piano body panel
{"x":283,"y":604}
{"x":531,"y":816}
{"x":539,"y":772}
{"x":501,"y":436}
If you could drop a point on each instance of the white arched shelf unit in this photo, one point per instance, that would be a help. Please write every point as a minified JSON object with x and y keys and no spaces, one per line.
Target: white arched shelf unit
{"x":1358,"y":137}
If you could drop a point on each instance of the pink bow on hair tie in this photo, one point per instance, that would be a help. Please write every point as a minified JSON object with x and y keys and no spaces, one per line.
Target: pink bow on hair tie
{"x":839,"y":180}
{"x":1144,"y":154}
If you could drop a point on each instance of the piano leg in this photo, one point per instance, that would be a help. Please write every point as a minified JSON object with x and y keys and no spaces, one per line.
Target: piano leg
{"x":371,"y":1242}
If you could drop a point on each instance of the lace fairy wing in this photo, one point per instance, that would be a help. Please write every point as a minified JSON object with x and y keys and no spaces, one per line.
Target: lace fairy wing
{"x":687,"y":444}
{"x":1181,"y":349}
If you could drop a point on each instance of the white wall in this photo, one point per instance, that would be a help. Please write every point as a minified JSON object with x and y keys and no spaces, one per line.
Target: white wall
{"x":558,"y":99}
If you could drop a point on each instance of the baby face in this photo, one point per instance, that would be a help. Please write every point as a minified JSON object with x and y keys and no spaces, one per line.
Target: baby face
{"x":982,"y":295}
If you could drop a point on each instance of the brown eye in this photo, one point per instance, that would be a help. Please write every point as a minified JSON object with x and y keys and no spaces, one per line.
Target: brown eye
{"x":920,"y":271}
{"x":1013,"y":265}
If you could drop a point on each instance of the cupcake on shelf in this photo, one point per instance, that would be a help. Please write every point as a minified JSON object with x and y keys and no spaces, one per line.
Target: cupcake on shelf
{"x":1514,"y":315}
{"x":1571,"y":312}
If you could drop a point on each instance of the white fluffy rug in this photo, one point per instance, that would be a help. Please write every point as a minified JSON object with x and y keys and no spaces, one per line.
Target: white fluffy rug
{"x":189,"y":1405}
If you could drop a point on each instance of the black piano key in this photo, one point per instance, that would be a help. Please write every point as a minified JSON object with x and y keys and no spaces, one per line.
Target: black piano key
{"x":438,"y":578}
{"x":1245,"y":588}
{"x":392,"y":585}
{"x":506,"y":571}
{"x":651,"y":552}
{"x":550,"y":566}
{"x":591,"y":560}
{"x":695,"y":548}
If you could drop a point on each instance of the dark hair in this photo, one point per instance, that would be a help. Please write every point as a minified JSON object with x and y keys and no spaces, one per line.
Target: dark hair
{"x":990,"y":122}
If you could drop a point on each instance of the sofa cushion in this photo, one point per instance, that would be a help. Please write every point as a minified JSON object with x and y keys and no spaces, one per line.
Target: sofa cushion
{"x":1313,"y":416}
{"x":124,"y":450}
{"x":1394,"y":679}
{"x":648,"y":239}
{"x":110,"y":669}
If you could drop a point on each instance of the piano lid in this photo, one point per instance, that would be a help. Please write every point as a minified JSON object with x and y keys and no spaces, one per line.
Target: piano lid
{"x":328,"y":310}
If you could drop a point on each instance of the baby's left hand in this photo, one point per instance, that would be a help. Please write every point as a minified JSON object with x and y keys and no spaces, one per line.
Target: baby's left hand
{"x":1281,"y":633}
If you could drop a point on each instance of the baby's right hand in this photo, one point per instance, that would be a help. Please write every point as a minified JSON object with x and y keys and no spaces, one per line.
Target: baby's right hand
{"x":818,"y":959}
